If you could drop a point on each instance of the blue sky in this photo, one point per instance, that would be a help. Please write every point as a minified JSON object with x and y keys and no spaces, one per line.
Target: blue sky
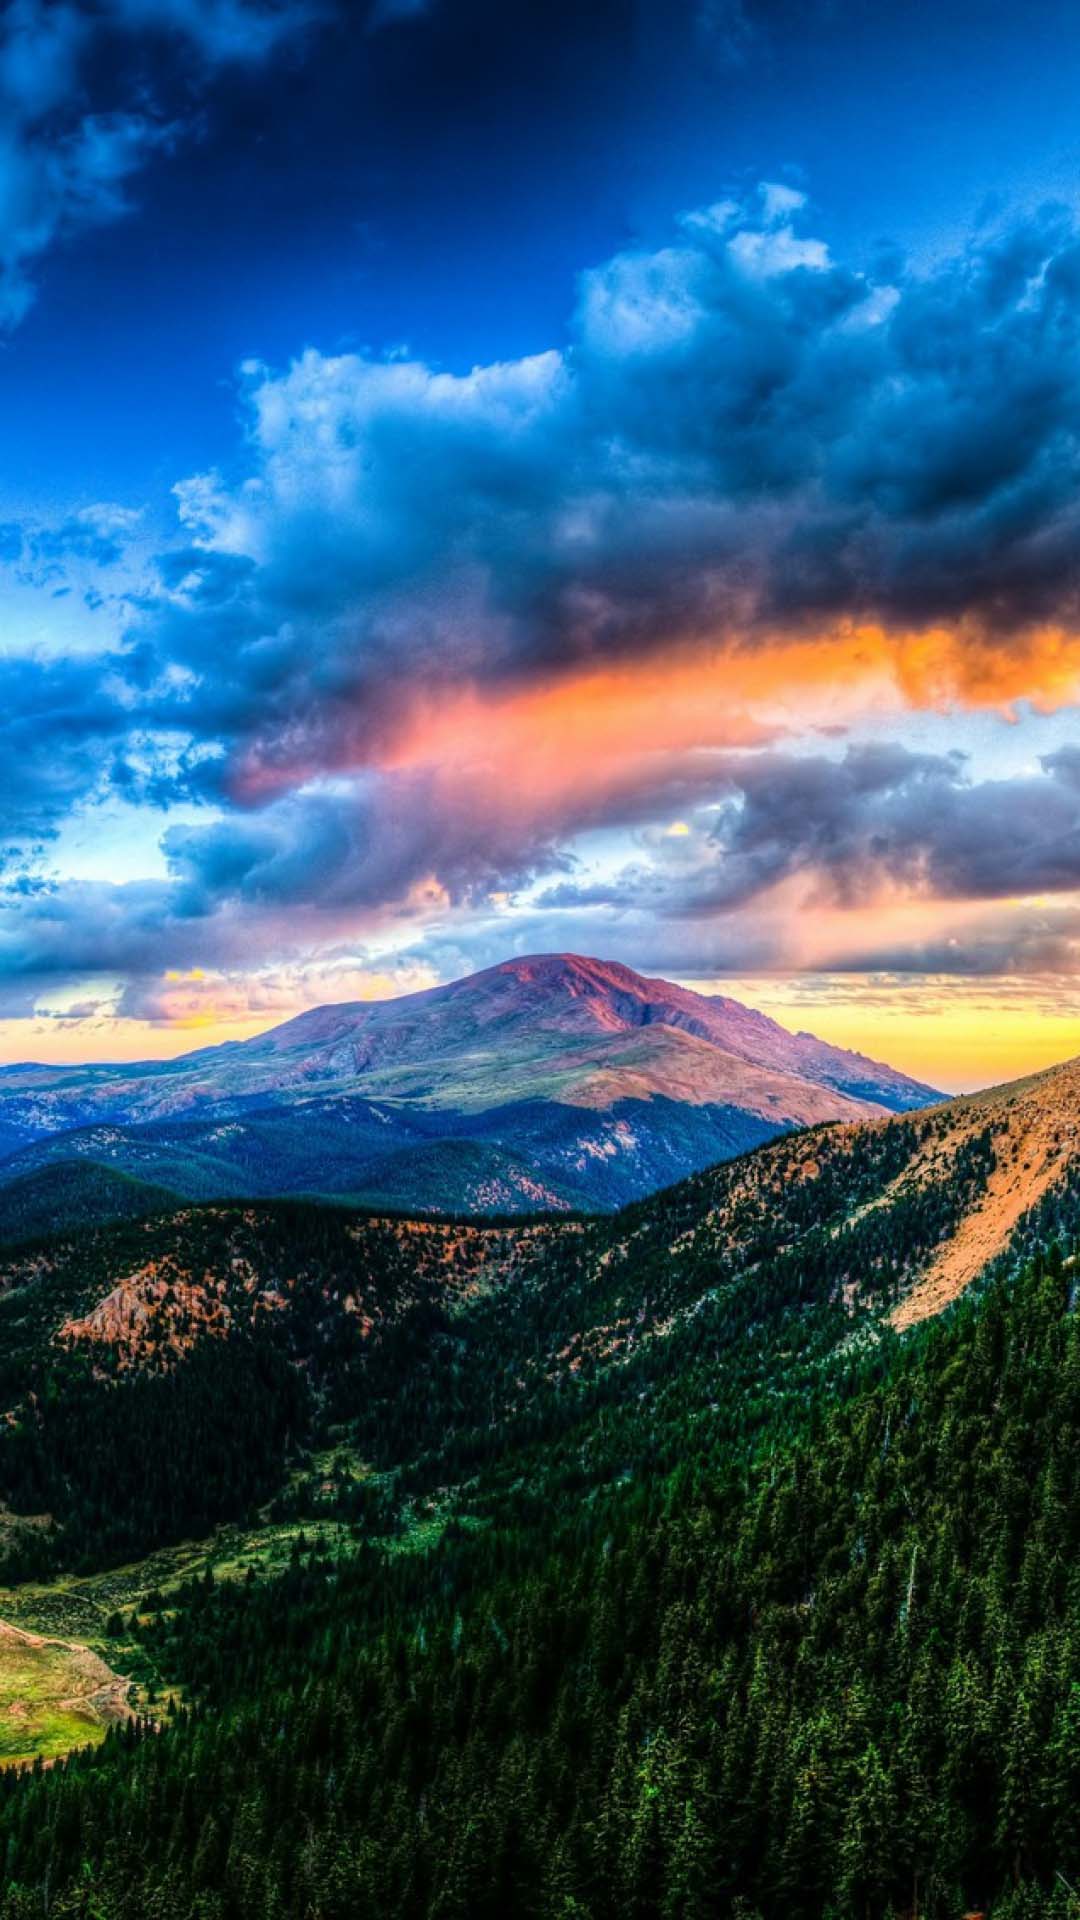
{"x":442,"y":181}
{"x":482,"y":478}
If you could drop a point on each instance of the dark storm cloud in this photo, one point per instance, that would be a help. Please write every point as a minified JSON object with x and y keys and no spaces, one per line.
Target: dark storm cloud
{"x":741,"y":436}
{"x":78,"y":121}
{"x":885,"y":817}
{"x":363,"y":847}
{"x":875,"y":826}
{"x":879,"y":819}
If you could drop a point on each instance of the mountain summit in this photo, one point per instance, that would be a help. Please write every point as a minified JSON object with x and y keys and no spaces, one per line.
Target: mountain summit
{"x":548,"y":1081}
{"x":564,"y":1001}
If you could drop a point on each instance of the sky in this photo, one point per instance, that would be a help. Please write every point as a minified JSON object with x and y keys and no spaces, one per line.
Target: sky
{"x":481,"y":480}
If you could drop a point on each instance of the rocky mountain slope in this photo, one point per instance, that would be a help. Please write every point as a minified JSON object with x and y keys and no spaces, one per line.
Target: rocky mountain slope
{"x":548,"y":1082}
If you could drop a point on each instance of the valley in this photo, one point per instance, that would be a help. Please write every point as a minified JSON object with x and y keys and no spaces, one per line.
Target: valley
{"x":646,"y":1489}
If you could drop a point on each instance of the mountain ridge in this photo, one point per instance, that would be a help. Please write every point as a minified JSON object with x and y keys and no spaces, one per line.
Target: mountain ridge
{"x":616,"y":999}
{"x":967,"y":1176}
{"x":577,"y":1081}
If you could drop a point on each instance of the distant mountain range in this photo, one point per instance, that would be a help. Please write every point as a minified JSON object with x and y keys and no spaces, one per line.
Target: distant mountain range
{"x":552,"y":1082}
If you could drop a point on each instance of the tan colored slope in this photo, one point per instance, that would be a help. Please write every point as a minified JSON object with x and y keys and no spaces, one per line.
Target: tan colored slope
{"x":681,"y":1066}
{"x":1035,"y":1129}
{"x":1036,"y":1125}
{"x":160,"y":1307}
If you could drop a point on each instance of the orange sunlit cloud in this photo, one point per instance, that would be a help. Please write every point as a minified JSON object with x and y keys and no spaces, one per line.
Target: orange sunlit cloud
{"x":577,"y":727}
{"x":573,"y":729}
{"x":947,"y":666}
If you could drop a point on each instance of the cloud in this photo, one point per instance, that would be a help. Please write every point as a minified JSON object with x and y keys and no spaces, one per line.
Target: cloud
{"x":786,"y":859}
{"x":880,"y":858}
{"x":884,"y":820}
{"x":366,"y":846}
{"x":743,"y":439}
{"x":59,"y":722}
{"x":99,"y":535}
{"x":67,"y":164}
{"x":441,"y":624}
{"x":223,"y":31}
{"x":876,"y":823}
{"x":53,"y":187}
{"x":196,"y":998}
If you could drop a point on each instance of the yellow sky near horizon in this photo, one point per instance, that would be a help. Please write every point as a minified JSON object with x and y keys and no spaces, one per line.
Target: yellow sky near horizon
{"x":956,"y":1034}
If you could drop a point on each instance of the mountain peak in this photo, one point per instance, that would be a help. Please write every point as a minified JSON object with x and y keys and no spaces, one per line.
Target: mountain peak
{"x":548,"y":1079}
{"x":564,"y":972}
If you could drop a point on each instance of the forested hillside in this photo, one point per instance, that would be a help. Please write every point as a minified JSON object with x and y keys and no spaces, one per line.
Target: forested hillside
{"x":841,"y":1675}
{"x":130,"y":1354}
{"x":70,"y":1194}
{"x":685,"y":1563}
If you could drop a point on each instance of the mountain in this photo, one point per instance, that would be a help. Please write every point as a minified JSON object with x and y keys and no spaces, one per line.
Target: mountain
{"x":716,"y":1557}
{"x":857,"y":1229}
{"x":551,"y":1082}
{"x":71,"y":1194}
{"x":712,"y":1558}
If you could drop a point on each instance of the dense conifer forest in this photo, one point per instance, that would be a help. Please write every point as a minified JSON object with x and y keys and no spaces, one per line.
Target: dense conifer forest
{"x":738,"y":1604}
{"x":839,"y":1675}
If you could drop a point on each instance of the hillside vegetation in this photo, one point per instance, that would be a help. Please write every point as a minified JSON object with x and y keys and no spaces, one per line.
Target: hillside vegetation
{"x":71,"y":1194}
{"x":688,"y":1562}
